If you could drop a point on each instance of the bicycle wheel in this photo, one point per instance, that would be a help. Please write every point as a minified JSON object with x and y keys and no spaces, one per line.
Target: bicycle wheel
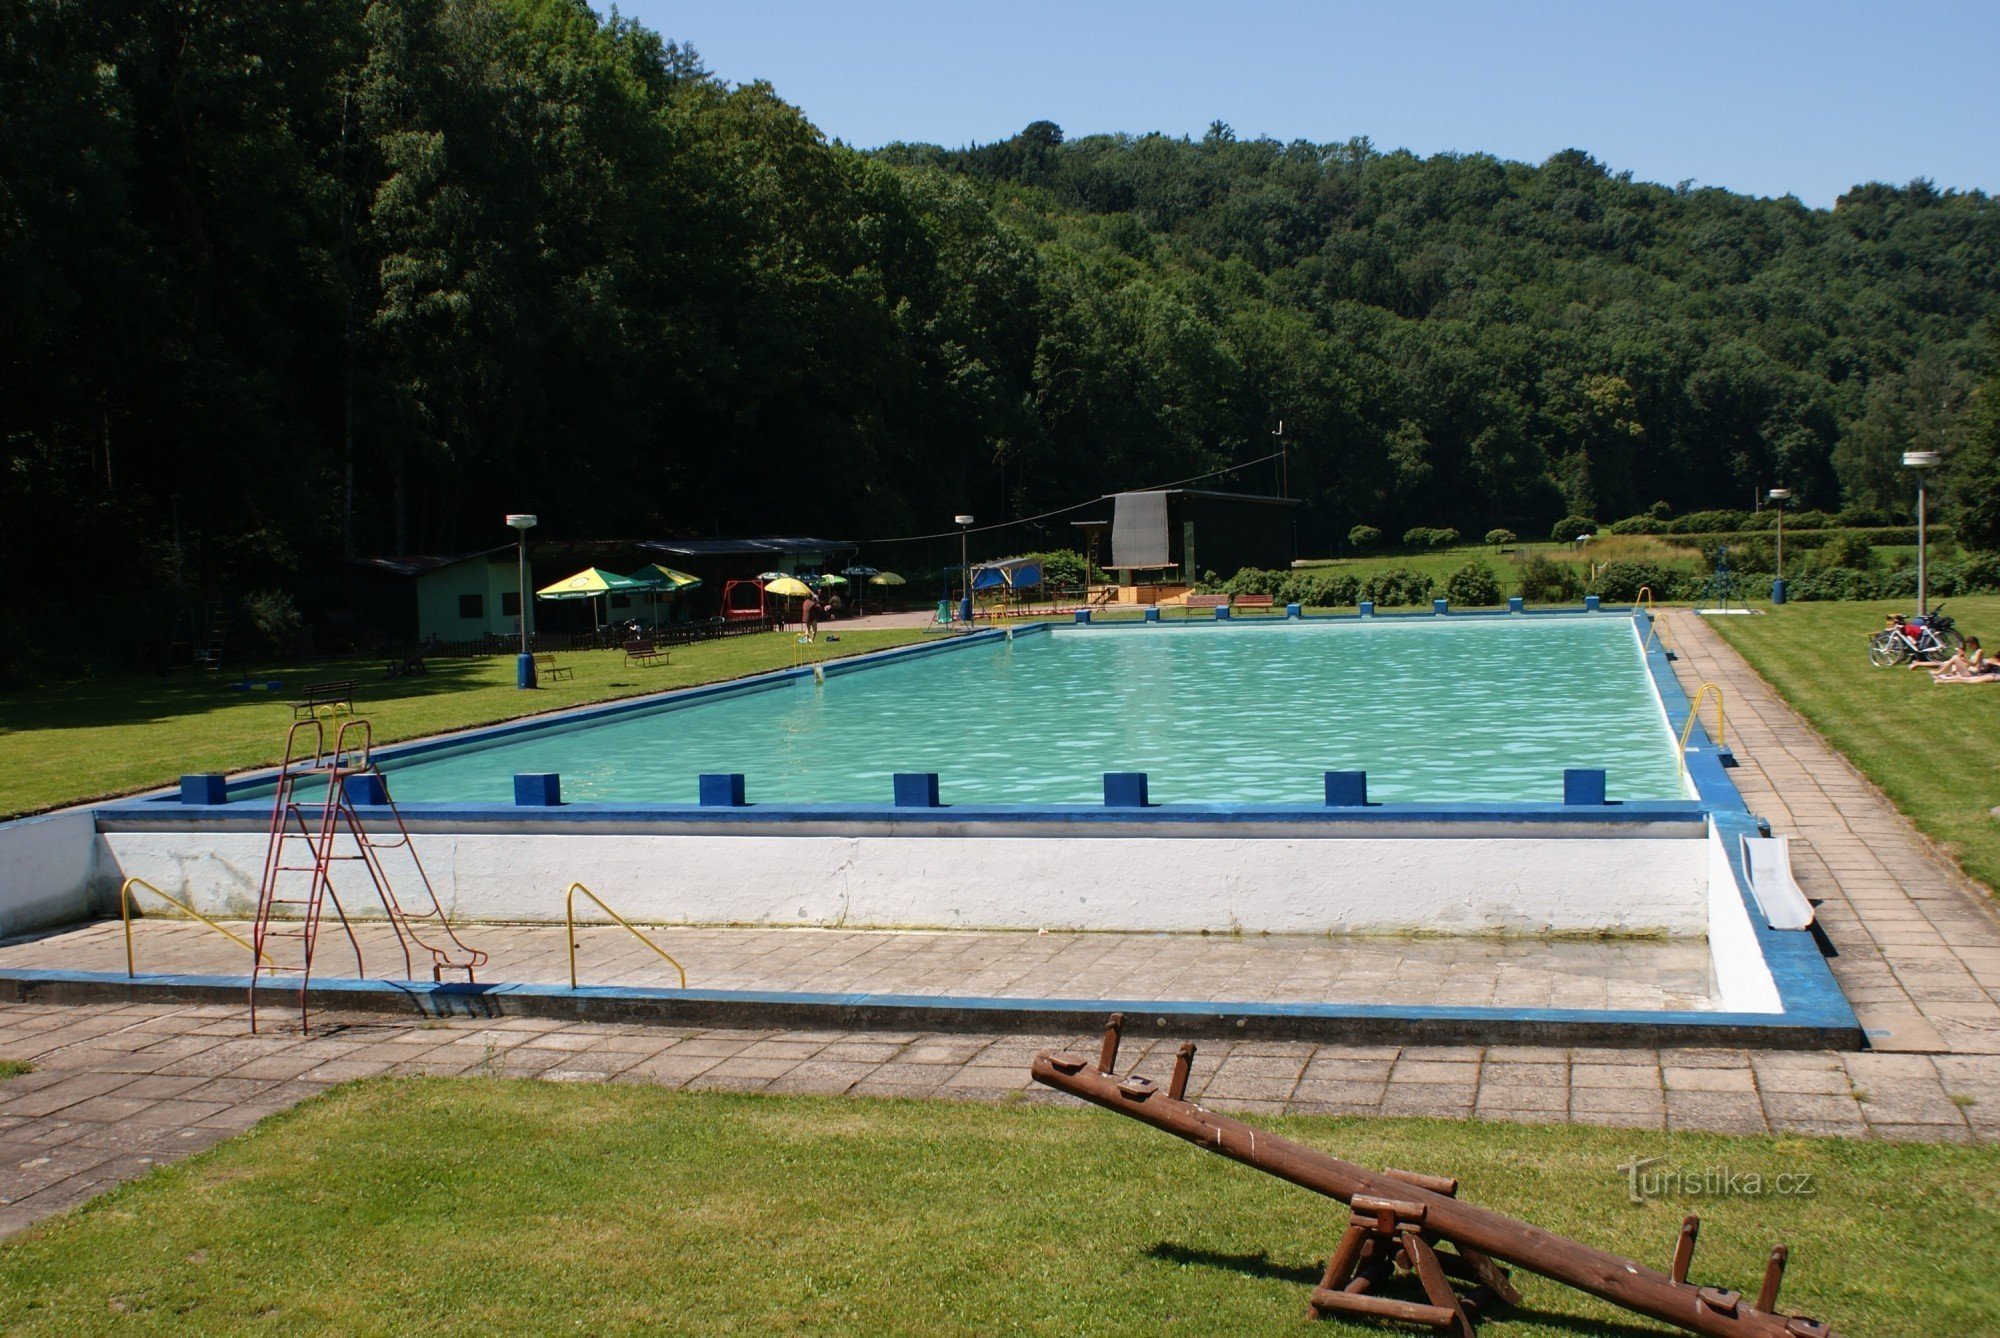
{"x":1943,"y":643}
{"x":1886,"y":650}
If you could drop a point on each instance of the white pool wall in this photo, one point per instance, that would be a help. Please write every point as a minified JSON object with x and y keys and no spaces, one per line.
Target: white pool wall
{"x":1217,"y":880}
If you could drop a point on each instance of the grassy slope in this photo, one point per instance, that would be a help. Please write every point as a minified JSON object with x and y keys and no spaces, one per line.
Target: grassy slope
{"x":83,"y":740}
{"x":522,"y":1207}
{"x":1934,"y":750}
{"x":1443,"y":562}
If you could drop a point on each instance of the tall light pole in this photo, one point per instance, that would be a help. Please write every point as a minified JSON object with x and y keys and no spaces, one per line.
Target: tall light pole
{"x":524,"y":663}
{"x":1922,"y":462}
{"x":964,"y":524}
{"x":1779,"y":496}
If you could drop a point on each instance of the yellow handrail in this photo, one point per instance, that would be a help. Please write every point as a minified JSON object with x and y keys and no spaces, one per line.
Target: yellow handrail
{"x":1645,"y":601}
{"x":125,"y":914}
{"x":1694,"y":710}
{"x":569,"y":924}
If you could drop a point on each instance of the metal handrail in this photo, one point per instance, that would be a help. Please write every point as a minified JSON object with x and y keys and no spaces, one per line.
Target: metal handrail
{"x":1644,"y":602}
{"x":125,"y":914}
{"x":1694,"y":710}
{"x":569,"y":924}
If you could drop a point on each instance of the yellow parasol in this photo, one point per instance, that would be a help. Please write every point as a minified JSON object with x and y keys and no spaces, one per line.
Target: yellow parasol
{"x":787,"y":585}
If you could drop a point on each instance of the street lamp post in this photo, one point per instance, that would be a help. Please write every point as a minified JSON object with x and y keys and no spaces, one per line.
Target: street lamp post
{"x":1779,"y":496}
{"x":524,"y":663}
{"x":1922,"y":462}
{"x":964,"y":524}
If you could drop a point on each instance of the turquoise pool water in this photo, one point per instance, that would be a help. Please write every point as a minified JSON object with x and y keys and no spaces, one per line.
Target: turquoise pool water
{"x":1444,"y":710}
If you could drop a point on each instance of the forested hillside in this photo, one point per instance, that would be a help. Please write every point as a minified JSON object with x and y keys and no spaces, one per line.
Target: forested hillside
{"x":279,"y":283}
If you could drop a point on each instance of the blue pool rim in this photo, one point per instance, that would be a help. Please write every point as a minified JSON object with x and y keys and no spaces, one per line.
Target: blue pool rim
{"x":1814,"y":1013}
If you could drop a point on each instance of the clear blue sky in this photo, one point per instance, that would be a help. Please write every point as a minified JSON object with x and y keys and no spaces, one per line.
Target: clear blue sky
{"x":1771,"y":97}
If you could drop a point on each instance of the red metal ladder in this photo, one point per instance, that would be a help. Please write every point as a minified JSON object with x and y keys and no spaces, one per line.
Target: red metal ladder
{"x":290,"y":829}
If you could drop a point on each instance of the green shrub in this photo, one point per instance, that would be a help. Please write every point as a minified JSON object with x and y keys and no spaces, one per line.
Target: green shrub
{"x":1426,"y":536}
{"x":1546,"y":582}
{"x":1397,"y":585}
{"x":1621,"y":582}
{"x":1323,"y":590}
{"x":1364,"y":536}
{"x":1846,"y":549}
{"x":1571,"y":527}
{"x":1501,"y":538}
{"x":1636,"y":525}
{"x":1254,"y":581}
{"x":1473,"y":585}
{"x":1708,"y":522}
{"x":1062,"y":566}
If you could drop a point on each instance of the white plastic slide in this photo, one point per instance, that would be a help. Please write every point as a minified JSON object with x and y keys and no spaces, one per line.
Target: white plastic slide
{"x":1770,"y":861}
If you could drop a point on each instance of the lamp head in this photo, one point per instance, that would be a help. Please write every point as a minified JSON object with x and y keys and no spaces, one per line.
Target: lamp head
{"x":1780,"y":494}
{"x":522,"y":523}
{"x":1920,"y":459}
{"x":961,"y":520}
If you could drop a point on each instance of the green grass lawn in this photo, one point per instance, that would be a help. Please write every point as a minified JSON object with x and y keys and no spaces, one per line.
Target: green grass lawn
{"x":1934,"y":750}
{"x":85,"y":740}
{"x":471,"y":1205}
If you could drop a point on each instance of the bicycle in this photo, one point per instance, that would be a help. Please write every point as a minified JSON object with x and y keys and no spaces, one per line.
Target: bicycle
{"x":1931,"y":638}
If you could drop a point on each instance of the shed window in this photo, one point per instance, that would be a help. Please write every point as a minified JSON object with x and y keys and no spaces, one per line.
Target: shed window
{"x":510,"y":604}
{"x":621,"y":601}
{"x":472,"y":606}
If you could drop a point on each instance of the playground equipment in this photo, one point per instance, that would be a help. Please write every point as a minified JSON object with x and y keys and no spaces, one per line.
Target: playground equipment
{"x":334,"y":833}
{"x":1401,"y":1221}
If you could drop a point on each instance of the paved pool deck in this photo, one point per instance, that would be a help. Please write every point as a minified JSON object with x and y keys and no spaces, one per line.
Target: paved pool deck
{"x":122,"y":1087}
{"x":1638,"y":974}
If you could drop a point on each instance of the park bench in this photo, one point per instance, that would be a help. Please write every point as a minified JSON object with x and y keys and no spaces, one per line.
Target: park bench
{"x":1193,"y":602}
{"x":1253,"y":602}
{"x":548,"y":671}
{"x":333,"y":696}
{"x":643,"y":651}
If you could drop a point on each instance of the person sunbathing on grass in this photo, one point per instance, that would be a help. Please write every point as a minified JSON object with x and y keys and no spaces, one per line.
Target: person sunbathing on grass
{"x":1970,"y":665}
{"x":1969,"y":657}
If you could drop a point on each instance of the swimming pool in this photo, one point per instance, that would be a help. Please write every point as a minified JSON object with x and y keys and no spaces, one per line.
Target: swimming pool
{"x":1443,"y":710}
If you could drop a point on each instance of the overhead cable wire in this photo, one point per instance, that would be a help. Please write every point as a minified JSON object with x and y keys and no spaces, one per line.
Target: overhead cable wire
{"x":1062,"y":510}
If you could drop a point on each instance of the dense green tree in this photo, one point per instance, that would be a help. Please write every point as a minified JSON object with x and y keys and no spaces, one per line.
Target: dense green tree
{"x":279,"y":285}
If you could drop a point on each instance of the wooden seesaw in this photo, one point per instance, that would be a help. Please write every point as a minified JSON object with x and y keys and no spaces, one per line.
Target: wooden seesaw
{"x":1406,"y":1222}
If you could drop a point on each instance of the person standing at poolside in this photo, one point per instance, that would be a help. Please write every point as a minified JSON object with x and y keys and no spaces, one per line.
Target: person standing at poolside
{"x":811,"y":616}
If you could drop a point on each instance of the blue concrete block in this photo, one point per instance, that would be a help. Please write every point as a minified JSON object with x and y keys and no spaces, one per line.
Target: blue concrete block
{"x":1222,"y":613}
{"x":1368,"y":608}
{"x":722,"y":789}
{"x":1346,"y":789}
{"x":538,"y":789}
{"x":1440,"y":606}
{"x":1583,"y":785}
{"x":365,"y":789}
{"x":1083,"y":615}
{"x":916,"y":789}
{"x":1152,"y":615}
{"x":209,"y":787}
{"x":1590,"y":603}
{"x":1125,"y":789}
{"x":1514,"y":604}
{"x":1294,"y":611}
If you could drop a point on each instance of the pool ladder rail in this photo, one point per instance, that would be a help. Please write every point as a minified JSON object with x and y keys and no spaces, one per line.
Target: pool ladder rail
{"x":299,"y":845}
{"x":569,"y":932}
{"x":1702,"y":693}
{"x":125,"y":891}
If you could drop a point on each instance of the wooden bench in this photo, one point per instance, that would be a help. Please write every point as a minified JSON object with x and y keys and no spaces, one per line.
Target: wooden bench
{"x":1253,"y":602}
{"x":643,"y":651}
{"x":548,"y":671}
{"x":333,"y":696}
{"x":1193,"y":602}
